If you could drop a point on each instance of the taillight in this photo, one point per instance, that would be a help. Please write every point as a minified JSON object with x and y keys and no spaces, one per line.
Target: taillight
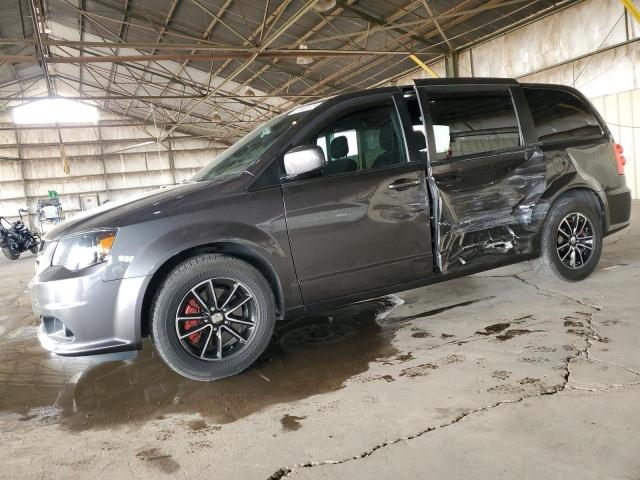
{"x":620,"y":158}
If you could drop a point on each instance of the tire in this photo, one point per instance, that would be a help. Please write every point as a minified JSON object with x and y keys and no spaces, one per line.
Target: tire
{"x":11,"y":251}
{"x":184,"y":355}
{"x":34,"y":249}
{"x":554,"y":245}
{"x":9,"y":254}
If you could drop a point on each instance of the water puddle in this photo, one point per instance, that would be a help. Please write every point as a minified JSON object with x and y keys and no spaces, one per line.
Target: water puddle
{"x":305,"y":358}
{"x":437,"y":311}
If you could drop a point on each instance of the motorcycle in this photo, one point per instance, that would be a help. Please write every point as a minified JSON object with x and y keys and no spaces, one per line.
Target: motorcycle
{"x":16,"y":238}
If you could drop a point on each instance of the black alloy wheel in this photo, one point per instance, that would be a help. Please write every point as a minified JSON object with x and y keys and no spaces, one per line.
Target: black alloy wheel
{"x":212,"y":317}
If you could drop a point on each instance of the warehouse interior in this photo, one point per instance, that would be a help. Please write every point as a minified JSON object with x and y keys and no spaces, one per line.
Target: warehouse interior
{"x":170,"y":100}
{"x":167,"y":86}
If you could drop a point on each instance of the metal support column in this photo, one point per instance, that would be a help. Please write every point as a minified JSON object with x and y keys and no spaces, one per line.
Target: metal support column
{"x":172,"y":166}
{"x":104,"y":166}
{"x":452,"y":65}
{"x":24,"y":178}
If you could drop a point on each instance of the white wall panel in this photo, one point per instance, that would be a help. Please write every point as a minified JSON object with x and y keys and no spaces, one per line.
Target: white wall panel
{"x":465,"y":64}
{"x":137,"y":180}
{"x":193,"y":159}
{"x":9,"y":208}
{"x":12,"y":190}
{"x":9,"y":170}
{"x":132,"y":171}
{"x":622,"y":113}
{"x":185,"y":174}
{"x":40,"y":188}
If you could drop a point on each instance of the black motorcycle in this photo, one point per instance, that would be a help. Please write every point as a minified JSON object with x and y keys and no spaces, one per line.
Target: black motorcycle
{"x":16,"y":238}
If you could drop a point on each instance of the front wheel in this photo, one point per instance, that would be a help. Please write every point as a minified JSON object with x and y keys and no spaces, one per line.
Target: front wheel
{"x":571,"y":241}
{"x":213,"y":317}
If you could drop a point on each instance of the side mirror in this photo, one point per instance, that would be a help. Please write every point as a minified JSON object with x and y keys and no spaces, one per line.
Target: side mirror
{"x":303,"y":159}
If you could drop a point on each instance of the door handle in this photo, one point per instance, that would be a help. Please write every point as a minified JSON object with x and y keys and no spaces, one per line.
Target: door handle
{"x":404,"y":183}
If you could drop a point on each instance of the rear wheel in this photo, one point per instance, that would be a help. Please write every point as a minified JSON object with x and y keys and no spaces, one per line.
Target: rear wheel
{"x":12,"y":250}
{"x":213,"y":317}
{"x":571,"y":241}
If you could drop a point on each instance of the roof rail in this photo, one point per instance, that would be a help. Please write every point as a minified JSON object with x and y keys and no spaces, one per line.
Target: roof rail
{"x":434,"y":82}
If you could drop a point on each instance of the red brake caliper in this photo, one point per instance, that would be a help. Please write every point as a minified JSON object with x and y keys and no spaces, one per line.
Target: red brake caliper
{"x":192,"y":308}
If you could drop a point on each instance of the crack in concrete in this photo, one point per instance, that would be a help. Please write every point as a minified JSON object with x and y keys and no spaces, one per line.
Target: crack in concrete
{"x":620,"y":238}
{"x":552,"y":292}
{"x":590,"y":324}
{"x":286,"y":471}
{"x":589,"y":339}
{"x":607,"y":388}
{"x":613,"y":364}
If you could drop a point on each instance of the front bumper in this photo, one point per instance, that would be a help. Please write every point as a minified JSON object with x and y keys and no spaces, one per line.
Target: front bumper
{"x":83,"y":315}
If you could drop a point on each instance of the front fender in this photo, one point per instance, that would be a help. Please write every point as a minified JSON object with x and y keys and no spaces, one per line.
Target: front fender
{"x":142,"y":251}
{"x":254,"y":222}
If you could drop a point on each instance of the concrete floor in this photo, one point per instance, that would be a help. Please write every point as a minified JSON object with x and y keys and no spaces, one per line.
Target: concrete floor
{"x":499,"y":375}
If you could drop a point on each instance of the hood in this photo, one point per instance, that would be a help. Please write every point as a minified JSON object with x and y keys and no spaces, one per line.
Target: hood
{"x":136,"y":209}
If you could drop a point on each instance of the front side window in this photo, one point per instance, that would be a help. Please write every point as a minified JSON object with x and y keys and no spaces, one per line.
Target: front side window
{"x":560,"y":115}
{"x":365,"y":139}
{"x":471,"y":125}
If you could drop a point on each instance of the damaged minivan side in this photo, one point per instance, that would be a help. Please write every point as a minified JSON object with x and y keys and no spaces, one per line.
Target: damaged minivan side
{"x":354,"y":197}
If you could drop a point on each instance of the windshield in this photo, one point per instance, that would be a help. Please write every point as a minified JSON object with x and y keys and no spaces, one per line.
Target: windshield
{"x":239,"y":157}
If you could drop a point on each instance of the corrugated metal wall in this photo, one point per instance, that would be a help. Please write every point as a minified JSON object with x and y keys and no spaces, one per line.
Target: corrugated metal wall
{"x":593,"y":46}
{"x":555,"y":49}
{"x":101,"y":159}
{"x":622,"y":113}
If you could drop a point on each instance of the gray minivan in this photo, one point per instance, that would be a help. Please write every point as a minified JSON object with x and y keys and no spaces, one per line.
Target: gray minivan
{"x":354,"y":197}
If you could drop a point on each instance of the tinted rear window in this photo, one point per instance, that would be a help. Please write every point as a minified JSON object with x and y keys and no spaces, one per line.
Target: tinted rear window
{"x":560,"y":115}
{"x":472,"y":125}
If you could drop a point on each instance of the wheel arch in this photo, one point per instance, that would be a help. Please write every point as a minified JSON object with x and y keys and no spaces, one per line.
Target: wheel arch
{"x":231,"y":248}
{"x":590,"y":196}
{"x":583,"y":192}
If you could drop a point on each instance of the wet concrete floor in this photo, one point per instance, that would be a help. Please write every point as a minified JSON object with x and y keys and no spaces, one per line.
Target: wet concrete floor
{"x":307,"y":357}
{"x":393,"y":387}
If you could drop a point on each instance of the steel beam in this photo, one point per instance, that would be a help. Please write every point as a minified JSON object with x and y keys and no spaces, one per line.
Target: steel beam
{"x":216,"y":56}
{"x":267,"y":42}
{"x":632,"y":9}
{"x":437,"y":24}
{"x":424,"y":66}
{"x":37,"y":16}
{"x":383,"y":23}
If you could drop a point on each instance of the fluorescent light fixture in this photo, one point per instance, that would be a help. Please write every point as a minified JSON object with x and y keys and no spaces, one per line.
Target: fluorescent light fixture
{"x":55,"y":110}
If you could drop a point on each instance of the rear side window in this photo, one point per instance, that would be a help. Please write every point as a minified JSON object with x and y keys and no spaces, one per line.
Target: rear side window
{"x":560,"y":115}
{"x":471,"y":125}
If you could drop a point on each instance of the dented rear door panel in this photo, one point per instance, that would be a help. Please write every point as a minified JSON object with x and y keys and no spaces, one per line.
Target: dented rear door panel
{"x":484,"y":205}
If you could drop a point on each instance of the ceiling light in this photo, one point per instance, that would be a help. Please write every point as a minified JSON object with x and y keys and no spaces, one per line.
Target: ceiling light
{"x":303,"y":60}
{"x":324,"y":5}
{"x":55,"y":110}
{"x":216,"y":117}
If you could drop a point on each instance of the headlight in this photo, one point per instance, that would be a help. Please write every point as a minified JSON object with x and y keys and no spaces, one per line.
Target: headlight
{"x":83,"y":250}
{"x":45,"y":255}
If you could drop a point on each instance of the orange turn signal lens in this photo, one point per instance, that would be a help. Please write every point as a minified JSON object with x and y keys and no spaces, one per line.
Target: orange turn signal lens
{"x":105,"y":242}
